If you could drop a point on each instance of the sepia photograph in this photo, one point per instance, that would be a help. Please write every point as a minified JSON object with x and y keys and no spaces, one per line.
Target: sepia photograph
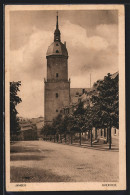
{"x":65,"y":97}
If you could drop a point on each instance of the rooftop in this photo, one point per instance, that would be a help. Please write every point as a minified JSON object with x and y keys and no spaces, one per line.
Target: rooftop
{"x":57,"y":48}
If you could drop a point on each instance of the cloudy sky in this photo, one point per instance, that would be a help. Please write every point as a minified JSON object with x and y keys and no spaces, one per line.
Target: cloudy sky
{"x":92,"y":42}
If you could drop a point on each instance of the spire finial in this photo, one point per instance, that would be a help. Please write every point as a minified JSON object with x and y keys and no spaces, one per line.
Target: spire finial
{"x":57,"y":21}
{"x":57,"y":31}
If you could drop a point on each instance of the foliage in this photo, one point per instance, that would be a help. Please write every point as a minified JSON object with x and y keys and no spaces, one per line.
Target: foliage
{"x":101,"y":111}
{"x":30,"y":135}
{"x":106,"y":103}
{"x":14,"y":100}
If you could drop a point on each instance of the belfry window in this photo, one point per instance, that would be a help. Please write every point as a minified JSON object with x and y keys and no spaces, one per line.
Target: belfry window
{"x":57,"y":75}
{"x":56,"y":95}
{"x":57,"y":51}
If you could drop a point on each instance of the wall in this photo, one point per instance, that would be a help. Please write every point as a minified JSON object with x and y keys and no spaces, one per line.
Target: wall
{"x":53,"y":103}
{"x":57,"y":65}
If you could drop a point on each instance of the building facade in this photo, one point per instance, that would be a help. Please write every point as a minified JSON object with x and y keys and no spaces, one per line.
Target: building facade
{"x":57,"y":85}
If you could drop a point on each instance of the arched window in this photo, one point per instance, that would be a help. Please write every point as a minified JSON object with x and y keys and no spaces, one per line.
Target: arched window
{"x":56,"y":95}
{"x":57,"y":51}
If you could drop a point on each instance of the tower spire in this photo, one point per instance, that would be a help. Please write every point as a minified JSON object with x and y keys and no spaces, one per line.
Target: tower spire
{"x":57,"y":31}
{"x":57,"y":21}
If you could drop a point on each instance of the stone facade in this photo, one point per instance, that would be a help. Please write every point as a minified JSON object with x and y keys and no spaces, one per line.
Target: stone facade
{"x":57,"y":85}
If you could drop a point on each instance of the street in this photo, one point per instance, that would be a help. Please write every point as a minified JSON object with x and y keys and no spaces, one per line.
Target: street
{"x":41,"y":161}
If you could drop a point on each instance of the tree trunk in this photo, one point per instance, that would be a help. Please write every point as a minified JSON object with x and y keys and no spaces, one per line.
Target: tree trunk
{"x":89,"y":134}
{"x":104,"y":132}
{"x":80,"y":138}
{"x":91,"y":137}
{"x":95,"y":133}
{"x":71,"y":138}
{"x":110,"y":138}
{"x":101,"y":132}
{"x":85,"y":136}
{"x":107,"y":134}
{"x":65,"y":137}
{"x":61,"y":138}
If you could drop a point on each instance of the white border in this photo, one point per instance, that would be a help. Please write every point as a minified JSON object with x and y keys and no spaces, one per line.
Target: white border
{"x":69,"y":186}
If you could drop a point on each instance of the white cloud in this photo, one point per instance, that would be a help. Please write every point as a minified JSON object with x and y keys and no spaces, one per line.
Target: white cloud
{"x":77,"y":36}
{"x":28,"y":64}
{"x":32,"y":94}
{"x":108,"y":32}
{"x":86,"y":54}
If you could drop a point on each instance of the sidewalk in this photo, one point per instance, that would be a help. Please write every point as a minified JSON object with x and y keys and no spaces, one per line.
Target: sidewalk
{"x":95,"y":146}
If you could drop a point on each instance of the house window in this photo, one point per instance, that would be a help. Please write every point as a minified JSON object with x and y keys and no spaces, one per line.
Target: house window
{"x":57,"y":51}
{"x":57,"y":75}
{"x":56,"y":110}
{"x":56,"y":95}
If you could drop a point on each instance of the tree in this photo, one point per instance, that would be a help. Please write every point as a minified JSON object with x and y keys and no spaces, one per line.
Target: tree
{"x":71,"y":126}
{"x":54,"y":129}
{"x":48,"y":130}
{"x":106,"y":103}
{"x":58,"y":126}
{"x":14,"y":100}
{"x":80,"y":119}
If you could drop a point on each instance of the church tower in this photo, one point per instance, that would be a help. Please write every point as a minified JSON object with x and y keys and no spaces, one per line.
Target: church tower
{"x":57,"y":85}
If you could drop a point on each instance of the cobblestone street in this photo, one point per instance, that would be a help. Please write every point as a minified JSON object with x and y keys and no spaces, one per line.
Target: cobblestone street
{"x":40,"y":161}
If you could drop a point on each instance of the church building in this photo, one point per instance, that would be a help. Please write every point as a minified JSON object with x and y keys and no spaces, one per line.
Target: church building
{"x":57,"y":85}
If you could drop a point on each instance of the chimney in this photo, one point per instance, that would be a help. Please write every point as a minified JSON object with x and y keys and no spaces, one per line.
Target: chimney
{"x":65,"y":43}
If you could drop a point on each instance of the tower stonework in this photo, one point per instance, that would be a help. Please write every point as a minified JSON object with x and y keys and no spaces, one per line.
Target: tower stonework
{"x":57,"y":85}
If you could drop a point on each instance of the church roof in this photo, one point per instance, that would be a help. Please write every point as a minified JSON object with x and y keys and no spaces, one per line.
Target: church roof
{"x":57,"y":48}
{"x":78,"y":91}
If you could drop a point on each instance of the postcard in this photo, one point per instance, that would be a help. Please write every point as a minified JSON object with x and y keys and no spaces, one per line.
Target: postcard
{"x":65,"y":97}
